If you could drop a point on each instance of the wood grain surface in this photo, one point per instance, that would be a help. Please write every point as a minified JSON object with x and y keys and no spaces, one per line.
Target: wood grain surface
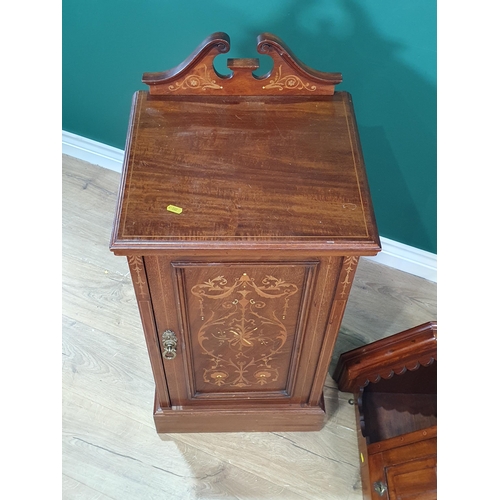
{"x":110,"y":446}
{"x":283,"y":172}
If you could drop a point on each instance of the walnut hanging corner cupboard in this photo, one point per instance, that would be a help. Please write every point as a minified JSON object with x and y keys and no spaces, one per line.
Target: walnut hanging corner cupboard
{"x":394,"y":383}
{"x":243,"y":210}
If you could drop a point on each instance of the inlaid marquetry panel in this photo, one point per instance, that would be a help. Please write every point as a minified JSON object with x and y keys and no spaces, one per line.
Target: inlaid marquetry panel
{"x":243,"y":325}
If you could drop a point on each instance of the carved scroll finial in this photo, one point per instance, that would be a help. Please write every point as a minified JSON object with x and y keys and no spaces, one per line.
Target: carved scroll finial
{"x":197,"y":75}
{"x":273,"y":46}
{"x":187,"y":74}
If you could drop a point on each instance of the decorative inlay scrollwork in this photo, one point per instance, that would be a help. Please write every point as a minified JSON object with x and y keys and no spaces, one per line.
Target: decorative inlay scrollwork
{"x":242,"y":336}
{"x":349,"y":266}
{"x":196,"y":81}
{"x":288,"y":82}
{"x":135,"y":263}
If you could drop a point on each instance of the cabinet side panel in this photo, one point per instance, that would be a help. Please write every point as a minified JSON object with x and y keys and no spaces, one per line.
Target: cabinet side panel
{"x":341,"y":294}
{"x":310,"y":372}
{"x":141,"y":287}
{"x":363,"y":456}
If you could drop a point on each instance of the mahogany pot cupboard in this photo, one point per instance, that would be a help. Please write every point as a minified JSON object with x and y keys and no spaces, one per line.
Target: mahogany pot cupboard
{"x":243,"y":210}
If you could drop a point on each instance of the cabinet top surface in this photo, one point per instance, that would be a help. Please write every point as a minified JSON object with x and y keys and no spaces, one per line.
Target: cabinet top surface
{"x":253,"y":169}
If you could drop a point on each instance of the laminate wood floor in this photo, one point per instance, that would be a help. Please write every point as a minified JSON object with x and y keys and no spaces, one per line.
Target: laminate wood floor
{"x":110,"y":447}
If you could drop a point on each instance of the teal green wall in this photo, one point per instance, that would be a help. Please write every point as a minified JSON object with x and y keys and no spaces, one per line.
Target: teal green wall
{"x":385,"y":49}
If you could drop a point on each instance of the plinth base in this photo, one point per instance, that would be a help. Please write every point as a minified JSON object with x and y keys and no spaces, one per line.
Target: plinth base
{"x":255,"y":419}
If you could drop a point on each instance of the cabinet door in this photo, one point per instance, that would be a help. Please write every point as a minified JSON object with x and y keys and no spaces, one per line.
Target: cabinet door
{"x":240,"y":329}
{"x":405,"y":471}
{"x":413,"y":480}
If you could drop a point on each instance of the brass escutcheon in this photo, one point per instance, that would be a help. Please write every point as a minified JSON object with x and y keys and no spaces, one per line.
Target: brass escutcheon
{"x":169,"y":341}
{"x":380,"y":488}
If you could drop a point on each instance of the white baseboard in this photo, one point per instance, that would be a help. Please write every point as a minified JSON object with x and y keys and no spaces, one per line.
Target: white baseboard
{"x":92,"y":151}
{"x":394,"y":254}
{"x":408,"y":259}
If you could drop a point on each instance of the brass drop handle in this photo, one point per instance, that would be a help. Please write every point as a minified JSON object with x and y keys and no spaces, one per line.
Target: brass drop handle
{"x":169,"y":341}
{"x":380,"y":488}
